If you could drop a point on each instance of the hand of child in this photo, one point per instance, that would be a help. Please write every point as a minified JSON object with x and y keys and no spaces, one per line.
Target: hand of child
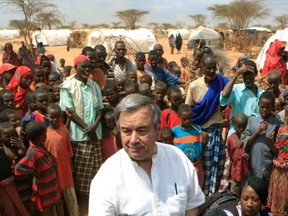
{"x":245,"y":68}
{"x":263,"y":126}
{"x":270,"y":135}
{"x":15,"y":142}
{"x":246,"y":156}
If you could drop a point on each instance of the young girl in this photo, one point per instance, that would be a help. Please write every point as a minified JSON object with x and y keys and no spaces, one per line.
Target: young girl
{"x":20,"y":85}
{"x":111,"y":137}
{"x":169,"y":116}
{"x":6,"y":73}
{"x":278,"y":190}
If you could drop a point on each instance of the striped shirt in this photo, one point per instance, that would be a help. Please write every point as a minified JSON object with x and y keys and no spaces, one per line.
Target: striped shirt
{"x":40,"y":163}
{"x":282,"y":144}
{"x":189,"y":141}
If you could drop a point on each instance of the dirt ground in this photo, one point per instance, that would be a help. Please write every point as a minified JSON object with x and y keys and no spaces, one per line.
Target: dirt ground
{"x":61,"y":52}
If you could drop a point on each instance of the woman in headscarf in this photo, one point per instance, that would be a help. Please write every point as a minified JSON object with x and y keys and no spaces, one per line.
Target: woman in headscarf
{"x":9,"y":56}
{"x":6,"y":73}
{"x":275,"y":61}
{"x":20,"y":85}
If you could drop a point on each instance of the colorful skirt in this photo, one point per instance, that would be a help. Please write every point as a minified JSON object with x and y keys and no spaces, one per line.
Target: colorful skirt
{"x":278,"y":191}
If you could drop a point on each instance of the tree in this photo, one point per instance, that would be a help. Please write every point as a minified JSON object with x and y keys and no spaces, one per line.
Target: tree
{"x":239,"y":13}
{"x":49,"y":19}
{"x":282,"y":21}
{"x":29,"y":9}
{"x":131,"y":17}
{"x":198,"y":19}
{"x":168,"y":26}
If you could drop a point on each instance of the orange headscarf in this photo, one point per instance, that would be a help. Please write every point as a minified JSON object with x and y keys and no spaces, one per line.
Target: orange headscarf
{"x":14,"y":85}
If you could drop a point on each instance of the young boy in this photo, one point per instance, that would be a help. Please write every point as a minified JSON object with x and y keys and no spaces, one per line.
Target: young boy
{"x":61,"y":68}
{"x":132,"y":75}
{"x":190,"y":139}
{"x":159,"y":94}
{"x":46,"y":197}
{"x":274,"y":81}
{"x":58,"y":144}
{"x":30,"y":101}
{"x":38,"y":75}
{"x":120,"y":83}
{"x":11,"y":203}
{"x":254,"y":136}
{"x":147,"y":79}
{"x":110,"y":94}
{"x":166,"y":135}
{"x":41,"y":101}
{"x":130,"y":87}
{"x":145,"y":89}
{"x":52,"y":78}
{"x":240,"y":159}
{"x":169,"y":117}
{"x":56,"y":91}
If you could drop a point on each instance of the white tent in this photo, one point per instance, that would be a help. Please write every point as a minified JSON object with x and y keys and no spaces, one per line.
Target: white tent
{"x":140,"y":40}
{"x":183,"y":32}
{"x":207,"y":34}
{"x":280,"y":35}
{"x":6,"y":34}
{"x":51,"y":37}
{"x":259,"y":29}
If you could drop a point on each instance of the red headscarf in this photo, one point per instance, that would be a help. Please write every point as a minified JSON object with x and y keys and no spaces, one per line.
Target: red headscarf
{"x":6,"y":67}
{"x":14,"y":86}
{"x":11,"y":58}
{"x":275,"y":62}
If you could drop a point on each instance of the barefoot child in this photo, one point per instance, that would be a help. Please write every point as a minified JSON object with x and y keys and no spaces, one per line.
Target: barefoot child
{"x":46,"y":197}
{"x":240,"y":159}
{"x":58,"y":144}
{"x":190,"y":139}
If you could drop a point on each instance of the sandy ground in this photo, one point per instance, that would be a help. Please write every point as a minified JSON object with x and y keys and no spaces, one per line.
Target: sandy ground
{"x":61,"y":52}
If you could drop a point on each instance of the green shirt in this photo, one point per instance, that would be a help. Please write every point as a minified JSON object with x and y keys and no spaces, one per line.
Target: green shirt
{"x":89,"y":105}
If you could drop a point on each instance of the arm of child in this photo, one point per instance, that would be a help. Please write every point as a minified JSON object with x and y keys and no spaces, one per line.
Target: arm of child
{"x":205,"y":139}
{"x":270,"y":138}
{"x":254,"y":136}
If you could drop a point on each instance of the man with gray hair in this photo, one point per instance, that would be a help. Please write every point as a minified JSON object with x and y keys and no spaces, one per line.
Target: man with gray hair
{"x":145,"y":177}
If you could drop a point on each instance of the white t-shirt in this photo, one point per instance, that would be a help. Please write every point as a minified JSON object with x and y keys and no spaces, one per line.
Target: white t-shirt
{"x":122,"y":187}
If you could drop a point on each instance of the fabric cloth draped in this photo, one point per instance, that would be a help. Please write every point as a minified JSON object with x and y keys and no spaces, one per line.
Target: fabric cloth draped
{"x":11,"y":58}
{"x":204,"y":109}
{"x":14,"y":85}
{"x":275,"y":62}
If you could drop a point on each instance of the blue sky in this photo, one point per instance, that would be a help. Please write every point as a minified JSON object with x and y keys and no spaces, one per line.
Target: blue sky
{"x":161,"y":11}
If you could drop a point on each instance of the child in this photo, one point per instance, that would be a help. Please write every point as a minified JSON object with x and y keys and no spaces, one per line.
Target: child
{"x":67,"y":72}
{"x":132,"y":75}
{"x":41,"y":101}
{"x":159,"y":94}
{"x":110,"y":94}
{"x":254,"y":136}
{"x":6,"y":99}
{"x":240,"y":159}
{"x":52,"y":78}
{"x":39,"y":76}
{"x":61,"y":68}
{"x":46,"y":197}
{"x":190,"y":139}
{"x":111,"y":142}
{"x":130,"y":87}
{"x":120,"y":83}
{"x":20,"y":85}
{"x":56,"y":91}
{"x":278,"y":190}
{"x":147,"y":79}
{"x":277,"y":107}
{"x":169,"y":116}
{"x":140,"y":62}
{"x":58,"y":144}
{"x":274,"y":81}
{"x":145,"y":89}
{"x":11,"y":203}
{"x":166,"y":135}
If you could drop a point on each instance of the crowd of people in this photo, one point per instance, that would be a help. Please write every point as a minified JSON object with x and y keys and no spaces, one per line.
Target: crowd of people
{"x":143,"y":136}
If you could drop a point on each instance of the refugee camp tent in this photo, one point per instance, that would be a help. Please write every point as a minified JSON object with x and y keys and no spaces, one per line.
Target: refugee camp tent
{"x":259,"y":29}
{"x":139,"y":40}
{"x":204,"y":33}
{"x":183,"y":32}
{"x":280,"y":35}
{"x":7,"y":34}
{"x":51,"y":37}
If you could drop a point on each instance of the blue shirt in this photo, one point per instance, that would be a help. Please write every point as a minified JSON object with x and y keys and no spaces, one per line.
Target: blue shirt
{"x":189,"y":141}
{"x":242,"y":100}
{"x":162,"y":74}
